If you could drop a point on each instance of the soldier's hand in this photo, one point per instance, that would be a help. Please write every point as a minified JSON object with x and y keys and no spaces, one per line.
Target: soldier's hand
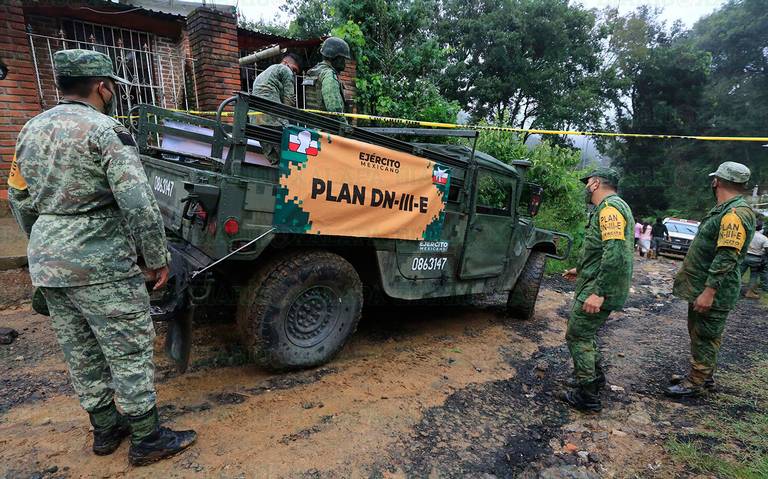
{"x":704,"y":301}
{"x":161,"y":277}
{"x":593,"y":304}
{"x":570,"y":274}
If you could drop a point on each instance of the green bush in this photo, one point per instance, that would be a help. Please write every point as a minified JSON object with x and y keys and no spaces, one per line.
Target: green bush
{"x":555,"y":168}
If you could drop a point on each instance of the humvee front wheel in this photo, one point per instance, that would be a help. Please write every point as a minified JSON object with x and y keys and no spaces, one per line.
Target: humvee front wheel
{"x":522,"y":299}
{"x":299,"y":310}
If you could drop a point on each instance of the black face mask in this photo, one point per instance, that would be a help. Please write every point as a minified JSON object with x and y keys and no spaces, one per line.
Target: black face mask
{"x":111,"y":106}
{"x":339,"y":63}
{"x":588,"y":194}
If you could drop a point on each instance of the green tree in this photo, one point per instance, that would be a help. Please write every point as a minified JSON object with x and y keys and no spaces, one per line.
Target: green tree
{"x":526,"y":63}
{"x":395,"y":49}
{"x":663,"y":91}
{"x":736,"y":36}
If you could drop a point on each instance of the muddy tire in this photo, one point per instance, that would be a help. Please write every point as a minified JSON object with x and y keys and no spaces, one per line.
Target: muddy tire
{"x":522,"y":299}
{"x":299,"y":310}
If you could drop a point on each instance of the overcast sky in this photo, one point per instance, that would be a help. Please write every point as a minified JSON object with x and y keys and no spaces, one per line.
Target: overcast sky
{"x":686,"y":10}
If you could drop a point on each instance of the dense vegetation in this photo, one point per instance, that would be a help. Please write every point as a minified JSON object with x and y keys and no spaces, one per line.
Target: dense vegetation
{"x":553,"y":64}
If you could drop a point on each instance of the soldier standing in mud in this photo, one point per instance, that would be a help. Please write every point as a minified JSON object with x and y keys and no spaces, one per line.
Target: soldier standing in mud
{"x":78,"y":189}
{"x":603,"y":279}
{"x":709,"y":278}
{"x":322,"y":88}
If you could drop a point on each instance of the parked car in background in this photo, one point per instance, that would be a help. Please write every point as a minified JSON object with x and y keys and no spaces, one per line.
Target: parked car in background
{"x":681,"y":233}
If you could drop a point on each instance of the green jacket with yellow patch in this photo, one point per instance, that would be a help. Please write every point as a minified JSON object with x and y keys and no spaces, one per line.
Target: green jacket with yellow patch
{"x":606,"y":265}
{"x":716,"y":253}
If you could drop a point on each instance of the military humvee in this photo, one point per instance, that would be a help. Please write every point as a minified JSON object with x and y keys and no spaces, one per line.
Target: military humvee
{"x":347,"y":216}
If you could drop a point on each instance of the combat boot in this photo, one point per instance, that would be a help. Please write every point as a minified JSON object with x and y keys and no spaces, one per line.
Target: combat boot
{"x":709,"y":383}
{"x":109,"y":429}
{"x":599,"y":379}
{"x":150,"y":442}
{"x":586,"y":398}
{"x":684,"y":389}
{"x":752,"y":294}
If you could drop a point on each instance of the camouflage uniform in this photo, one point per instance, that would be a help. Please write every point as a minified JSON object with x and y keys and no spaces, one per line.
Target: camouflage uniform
{"x":82,"y":195}
{"x":323,"y":89}
{"x":605,"y":270}
{"x":276,"y":83}
{"x":713,"y":260}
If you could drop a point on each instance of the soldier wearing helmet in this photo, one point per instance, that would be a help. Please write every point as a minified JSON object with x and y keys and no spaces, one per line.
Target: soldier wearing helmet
{"x":709,"y":278}
{"x":322,"y":88}
{"x":78,"y":189}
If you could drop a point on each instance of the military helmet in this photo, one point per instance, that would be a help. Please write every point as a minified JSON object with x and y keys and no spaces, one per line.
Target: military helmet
{"x":84,"y":63}
{"x":732,"y":171}
{"x":602,"y":172}
{"x":334,"y":47}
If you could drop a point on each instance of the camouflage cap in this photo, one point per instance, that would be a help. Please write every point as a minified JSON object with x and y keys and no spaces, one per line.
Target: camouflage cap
{"x":732,"y":171}
{"x":84,"y":63}
{"x":602,"y":172}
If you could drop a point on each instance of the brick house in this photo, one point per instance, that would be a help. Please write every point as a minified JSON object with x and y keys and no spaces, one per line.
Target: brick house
{"x":176,"y":54}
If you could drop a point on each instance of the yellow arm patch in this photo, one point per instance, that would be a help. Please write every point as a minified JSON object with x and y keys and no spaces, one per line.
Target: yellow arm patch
{"x":612,"y":224}
{"x":15,"y":180}
{"x":732,"y":232}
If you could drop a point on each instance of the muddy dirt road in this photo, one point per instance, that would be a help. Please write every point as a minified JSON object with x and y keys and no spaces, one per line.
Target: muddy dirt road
{"x":436,"y":392}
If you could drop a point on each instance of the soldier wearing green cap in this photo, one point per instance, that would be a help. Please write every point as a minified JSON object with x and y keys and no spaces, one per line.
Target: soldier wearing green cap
{"x":322,"y":88}
{"x":602,"y":278}
{"x":709,"y":278}
{"x":78,"y":189}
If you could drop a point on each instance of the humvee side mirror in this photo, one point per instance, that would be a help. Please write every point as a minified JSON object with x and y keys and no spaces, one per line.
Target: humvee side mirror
{"x":530,"y":199}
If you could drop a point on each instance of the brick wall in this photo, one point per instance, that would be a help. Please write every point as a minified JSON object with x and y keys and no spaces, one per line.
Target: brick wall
{"x":18,"y":92}
{"x":171,"y":62}
{"x":213,"y":44}
{"x":347,"y":78}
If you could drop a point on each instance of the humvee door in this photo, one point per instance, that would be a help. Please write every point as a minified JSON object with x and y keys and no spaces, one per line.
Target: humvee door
{"x":490,"y":226}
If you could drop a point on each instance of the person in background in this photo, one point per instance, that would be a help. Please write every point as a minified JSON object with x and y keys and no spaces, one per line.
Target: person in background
{"x":638,"y":228}
{"x":322,"y":88}
{"x":659,"y":233}
{"x":277,"y":83}
{"x":644,"y":247}
{"x":755,"y":262}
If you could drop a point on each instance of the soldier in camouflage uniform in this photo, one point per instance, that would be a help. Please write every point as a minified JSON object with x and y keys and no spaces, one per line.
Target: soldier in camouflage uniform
{"x":276,"y":83}
{"x":79,"y":190}
{"x":603,"y":279}
{"x":322,"y":88}
{"x":709,"y":278}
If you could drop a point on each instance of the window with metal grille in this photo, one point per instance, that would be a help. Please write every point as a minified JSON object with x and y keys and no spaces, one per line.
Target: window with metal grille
{"x":132,"y":57}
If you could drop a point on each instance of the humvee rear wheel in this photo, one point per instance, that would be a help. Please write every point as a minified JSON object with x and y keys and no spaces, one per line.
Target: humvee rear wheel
{"x":299,"y":310}
{"x":522,"y":299}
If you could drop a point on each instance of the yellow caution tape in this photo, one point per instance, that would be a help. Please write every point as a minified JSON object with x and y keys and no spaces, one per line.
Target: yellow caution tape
{"x":434,"y":124}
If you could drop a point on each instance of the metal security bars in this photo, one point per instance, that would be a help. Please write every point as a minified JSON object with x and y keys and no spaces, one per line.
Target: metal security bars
{"x":158,"y":75}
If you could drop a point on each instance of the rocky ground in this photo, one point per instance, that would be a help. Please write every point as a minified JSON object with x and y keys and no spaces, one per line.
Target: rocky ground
{"x":433,"y":392}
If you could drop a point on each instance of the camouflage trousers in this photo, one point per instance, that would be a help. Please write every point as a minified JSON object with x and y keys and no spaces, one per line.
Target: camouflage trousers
{"x":107,"y":337}
{"x":706,"y":332}
{"x":581,"y":337}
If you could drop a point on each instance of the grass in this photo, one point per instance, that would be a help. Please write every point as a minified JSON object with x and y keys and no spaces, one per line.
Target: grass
{"x":732,"y":440}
